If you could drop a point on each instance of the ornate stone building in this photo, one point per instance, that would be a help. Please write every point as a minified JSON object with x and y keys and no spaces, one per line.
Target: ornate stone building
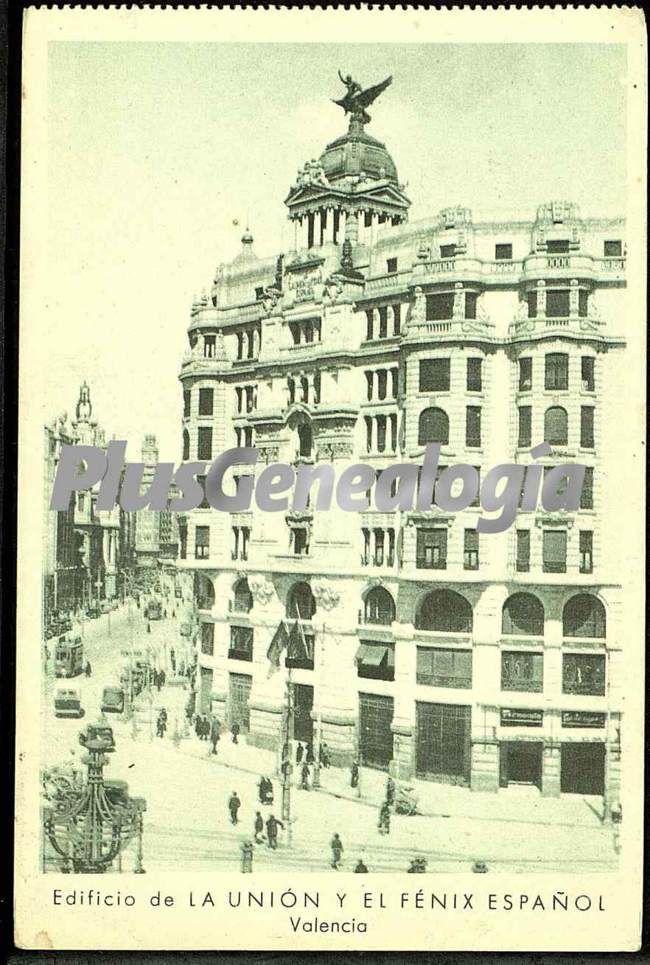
{"x":475,"y":659}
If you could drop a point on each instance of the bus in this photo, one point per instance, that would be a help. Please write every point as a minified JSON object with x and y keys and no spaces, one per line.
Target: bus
{"x":68,"y":657}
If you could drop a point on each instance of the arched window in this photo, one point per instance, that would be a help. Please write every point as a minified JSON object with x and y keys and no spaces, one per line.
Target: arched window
{"x":556,"y":426}
{"x":379,"y":607}
{"x":301,"y":602}
{"x":433,"y":427}
{"x":584,"y":616}
{"x":186,"y":445}
{"x":203,"y":592}
{"x":523,"y":614}
{"x":242,"y":596}
{"x":305,"y":440}
{"x":446,"y":611}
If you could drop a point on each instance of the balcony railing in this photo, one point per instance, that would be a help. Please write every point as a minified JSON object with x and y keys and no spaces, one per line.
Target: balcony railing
{"x":522,"y":685}
{"x":589,"y":688}
{"x":436,"y":680}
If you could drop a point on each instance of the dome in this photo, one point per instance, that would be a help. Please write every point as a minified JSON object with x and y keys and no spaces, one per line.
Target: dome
{"x":355,"y":152}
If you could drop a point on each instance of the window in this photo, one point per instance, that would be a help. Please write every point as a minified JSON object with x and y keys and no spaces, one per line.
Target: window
{"x":444,"y":611}
{"x":525,"y":374}
{"x":204,"y":446}
{"x":397,"y":318}
{"x":558,"y":247}
{"x":379,"y":607}
{"x":557,"y":303}
{"x":522,"y":615}
{"x":556,"y":426}
{"x":209,"y":346}
{"x":522,"y":671}
{"x":300,"y":648}
{"x":587,"y":427}
{"x":556,"y":371}
{"x":240,"y":536}
{"x":503,"y":252}
{"x":554,"y":543}
{"x":381,"y":433}
{"x":206,"y":401}
{"x":202,"y":543}
{"x":474,"y":375}
{"x":586,"y":551}
{"x":300,"y":541}
{"x":587,"y":369}
{"x":473,"y":426}
{"x":187,"y":403}
{"x":81,"y":502}
{"x":241,"y":643}
{"x":391,"y":265}
{"x":587,"y":492}
{"x":471,"y":301}
{"x":207,"y":639}
{"x":204,"y":504}
{"x":259,"y":293}
{"x":369,"y":325}
{"x":440,"y":306}
{"x":531,"y":298}
{"x":433,"y":426}
{"x":435,"y":375}
{"x":444,"y":668}
{"x":583,"y":303}
{"x":447,"y":251}
{"x":583,"y":673}
{"x":523,"y":550}
{"x":376,"y":660}
{"x":242,"y":597}
{"x":186,"y":445}
{"x":612,"y":249}
{"x":382,"y":384}
{"x":383,"y":321}
{"x":470,"y":554}
{"x":431,"y":553}
{"x":182,"y":540}
{"x":525,"y":426}
{"x":300,"y":602}
{"x":584,"y":616}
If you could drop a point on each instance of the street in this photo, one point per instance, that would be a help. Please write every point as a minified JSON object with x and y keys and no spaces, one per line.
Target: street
{"x":187,"y":823}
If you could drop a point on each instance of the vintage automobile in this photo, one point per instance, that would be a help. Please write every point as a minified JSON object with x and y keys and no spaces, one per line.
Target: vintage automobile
{"x":67,"y":702}
{"x":112,"y":700}
{"x":68,"y":657}
{"x":153,"y":610}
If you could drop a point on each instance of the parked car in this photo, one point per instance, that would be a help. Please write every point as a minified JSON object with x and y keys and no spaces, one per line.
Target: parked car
{"x":112,"y":700}
{"x":67,"y":702}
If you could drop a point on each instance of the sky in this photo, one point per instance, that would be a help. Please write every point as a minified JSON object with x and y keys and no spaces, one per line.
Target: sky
{"x":159,"y":154}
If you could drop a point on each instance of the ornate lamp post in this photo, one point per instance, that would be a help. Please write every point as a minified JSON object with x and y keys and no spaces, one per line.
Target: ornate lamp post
{"x":90,"y":822}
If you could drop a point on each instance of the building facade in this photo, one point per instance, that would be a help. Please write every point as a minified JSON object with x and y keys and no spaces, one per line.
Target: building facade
{"x":477,"y":659}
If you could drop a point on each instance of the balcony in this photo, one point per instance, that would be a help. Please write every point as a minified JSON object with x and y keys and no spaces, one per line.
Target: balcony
{"x":575,"y":325}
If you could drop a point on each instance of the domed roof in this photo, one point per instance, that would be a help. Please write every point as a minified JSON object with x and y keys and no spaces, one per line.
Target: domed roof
{"x":355,"y":152}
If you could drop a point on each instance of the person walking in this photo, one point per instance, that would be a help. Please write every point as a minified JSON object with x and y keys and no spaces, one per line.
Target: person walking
{"x":304,"y":777}
{"x":172,"y":659}
{"x":354,"y":774}
{"x":337,"y":850}
{"x":233,"y":806}
{"x":198,"y":727}
{"x":360,"y":868}
{"x":384,"y":819}
{"x":309,"y":756}
{"x":300,"y":750}
{"x":163,"y":678}
{"x":88,"y":669}
{"x":214,"y":734}
{"x":324,"y":755}
{"x":390,"y":791}
{"x":258,"y":828}
{"x":205,"y":727}
{"x":234,"y":730}
{"x":272,"y":826}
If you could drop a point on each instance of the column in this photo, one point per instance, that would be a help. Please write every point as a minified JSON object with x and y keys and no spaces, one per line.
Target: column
{"x":459,"y":301}
{"x":296,"y":234}
{"x":343,"y":217}
{"x":541,"y":299}
{"x":574,"y":298}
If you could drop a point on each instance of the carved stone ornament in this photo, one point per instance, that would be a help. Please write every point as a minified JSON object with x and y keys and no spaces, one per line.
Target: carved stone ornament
{"x":332,"y":290}
{"x":270,"y":299}
{"x":326,"y":597}
{"x":261,"y":589}
{"x":419,"y":307}
{"x":269,"y":453}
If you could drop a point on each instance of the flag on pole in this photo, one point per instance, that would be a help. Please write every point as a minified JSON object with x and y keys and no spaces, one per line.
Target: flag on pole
{"x":279,"y":643}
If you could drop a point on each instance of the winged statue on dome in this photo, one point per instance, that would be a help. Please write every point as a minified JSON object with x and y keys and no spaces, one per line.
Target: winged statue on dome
{"x":357,"y":99}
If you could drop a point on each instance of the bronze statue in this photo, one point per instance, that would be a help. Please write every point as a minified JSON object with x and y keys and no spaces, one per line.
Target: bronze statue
{"x":356,"y":99}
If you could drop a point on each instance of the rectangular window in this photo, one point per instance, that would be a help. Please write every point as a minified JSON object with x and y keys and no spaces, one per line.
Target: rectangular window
{"x":382,"y":384}
{"x":241,"y":643}
{"x":444,"y":668}
{"x":503,"y":252}
{"x":525,"y":374}
{"x":435,"y":375}
{"x":587,"y":492}
{"x":474,"y":375}
{"x":440,"y":306}
{"x":300,"y":542}
{"x":202,"y":542}
{"x":259,"y":293}
{"x":525,"y":426}
{"x":471,"y":299}
{"x":558,"y":247}
{"x":204,"y":447}
{"x":470,"y":554}
{"x":586,"y":551}
{"x":556,"y":371}
{"x":391,"y":266}
{"x":523,"y":550}
{"x":587,"y":367}
{"x":380,"y":422}
{"x":206,"y":401}
{"x":554,"y":550}
{"x":369,"y":324}
{"x":557,"y":303}
{"x":447,"y":251}
{"x":397,"y":318}
{"x":207,"y":639}
{"x":531,"y":298}
{"x":587,"y":427}
{"x":583,"y":303}
{"x":182,"y":540}
{"x":583,"y":673}
{"x":522,"y":671}
{"x":431,"y":551}
{"x":612,"y":249}
{"x":383,"y":321}
{"x":473,"y":426}
{"x":187,"y":401}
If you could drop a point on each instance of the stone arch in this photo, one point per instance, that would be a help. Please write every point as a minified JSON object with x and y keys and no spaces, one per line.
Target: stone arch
{"x":379,"y":606}
{"x":446,"y":611}
{"x":523,"y":613}
{"x":242,"y":598}
{"x":433,"y":426}
{"x":300,"y":601}
{"x":584,"y":615}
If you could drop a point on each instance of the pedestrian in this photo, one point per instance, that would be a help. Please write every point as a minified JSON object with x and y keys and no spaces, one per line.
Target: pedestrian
{"x":324,"y":755}
{"x":162,"y":724}
{"x":258,"y":828}
{"x":172,"y":659}
{"x":304,"y":777}
{"x":337,"y":850}
{"x":360,"y":868}
{"x":163,"y":714}
{"x":384,"y":819}
{"x":354,"y":774}
{"x":181,"y":669}
{"x":163,"y":678}
{"x":88,"y":669}
{"x":205,"y":727}
{"x":265,"y":791}
{"x":164,"y":614}
{"x":300,"y":750}
{"x":272,"y":826}
{"x":198,"y":727}
{"x":148,"y":627}
{"x":417,"y":866}
{"x":214,"y":734}
{"x":310,"y":753}
{"x":246,"y":857}
{"x":233,"y":806}
{"x":234,"y":730}
{"x":390,"y":791}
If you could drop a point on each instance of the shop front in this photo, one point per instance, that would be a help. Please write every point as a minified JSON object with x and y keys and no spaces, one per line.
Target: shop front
{"x":375,"y":734}
{"x":521,"y":763}
{"x":443,"y":742}
{"x":303,"y":703}
{"x":583,"y":768}
{"x":239,"y":693}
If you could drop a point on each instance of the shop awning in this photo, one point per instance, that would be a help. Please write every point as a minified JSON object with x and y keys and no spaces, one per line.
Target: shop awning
{"x":373,"y":655}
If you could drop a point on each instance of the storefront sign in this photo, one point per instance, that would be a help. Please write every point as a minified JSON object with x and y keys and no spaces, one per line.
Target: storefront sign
{"x":521,"y":718}
{"x":578,"y":718}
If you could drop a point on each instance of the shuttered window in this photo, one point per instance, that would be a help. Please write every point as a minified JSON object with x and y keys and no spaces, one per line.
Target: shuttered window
{"x":554,"y":543}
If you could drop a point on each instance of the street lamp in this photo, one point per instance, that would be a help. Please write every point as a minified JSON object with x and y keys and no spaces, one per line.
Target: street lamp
{"x":89,"y":823}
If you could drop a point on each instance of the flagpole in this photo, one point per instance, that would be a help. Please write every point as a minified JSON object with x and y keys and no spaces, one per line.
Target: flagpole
{"x":286,"y":761}
{"x":318,"y":655}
